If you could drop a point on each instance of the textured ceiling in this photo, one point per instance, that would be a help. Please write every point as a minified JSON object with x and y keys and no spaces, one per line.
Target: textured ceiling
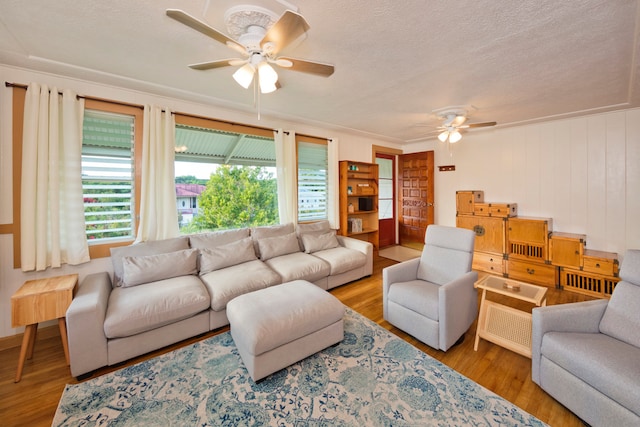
{"x":395,"y":61}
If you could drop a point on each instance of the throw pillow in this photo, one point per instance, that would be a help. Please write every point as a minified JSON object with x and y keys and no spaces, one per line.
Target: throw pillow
{"x":151,"y":268}
{"x":217,"y":238}
{"x":313,"y":242}
{"x":142,"y":249}
{"x":259,"y":233}
{"x":272,"y":247}
{"x":226,"y":255}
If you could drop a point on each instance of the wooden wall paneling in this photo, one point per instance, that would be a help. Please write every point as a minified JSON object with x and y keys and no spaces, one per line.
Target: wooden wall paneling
{"x":561,"y":165}
{"x":549,"y":175}
{"x":578,"y":195}
{"x":596,"y":182}
{"x":531,"y":169}
{"x":632,"y":196}
{"x":615,"y":182}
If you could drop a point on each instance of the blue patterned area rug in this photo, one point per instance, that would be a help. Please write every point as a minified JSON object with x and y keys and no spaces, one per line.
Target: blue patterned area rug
{"x":372,"y":378}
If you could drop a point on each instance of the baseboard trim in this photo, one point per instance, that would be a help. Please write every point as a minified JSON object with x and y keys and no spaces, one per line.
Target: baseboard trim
{"x":44,"y":332}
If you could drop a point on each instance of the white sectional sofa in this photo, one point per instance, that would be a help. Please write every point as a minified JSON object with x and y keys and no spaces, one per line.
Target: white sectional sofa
{"x":166,"y":291}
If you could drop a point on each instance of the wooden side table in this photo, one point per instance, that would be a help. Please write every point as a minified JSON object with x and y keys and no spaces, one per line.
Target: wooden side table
{"x":38,"y":301}
{"x":507,"y":326}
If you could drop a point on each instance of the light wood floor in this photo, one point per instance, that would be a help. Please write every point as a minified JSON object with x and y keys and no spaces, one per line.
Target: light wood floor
{"x":34,"y":400}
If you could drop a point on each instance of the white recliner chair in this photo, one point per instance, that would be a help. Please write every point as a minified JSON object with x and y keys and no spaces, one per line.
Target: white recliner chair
{"x":432,"y":297}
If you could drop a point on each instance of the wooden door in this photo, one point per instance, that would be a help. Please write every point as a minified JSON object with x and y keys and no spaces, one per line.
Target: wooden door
{"x":386,"y":199}
{"x":415,"y":173}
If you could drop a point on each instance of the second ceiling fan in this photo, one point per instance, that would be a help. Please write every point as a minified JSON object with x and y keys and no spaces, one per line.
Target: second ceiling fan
{"x":455,"y":119}
{"x":260,"y":37}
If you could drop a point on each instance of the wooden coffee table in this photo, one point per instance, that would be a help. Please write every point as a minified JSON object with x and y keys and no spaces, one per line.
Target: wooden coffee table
{"x":38,"y":301}
{"x":503,"y":325}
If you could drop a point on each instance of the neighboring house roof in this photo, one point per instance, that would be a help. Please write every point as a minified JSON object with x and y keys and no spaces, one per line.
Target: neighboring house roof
{"x":189,"y":190}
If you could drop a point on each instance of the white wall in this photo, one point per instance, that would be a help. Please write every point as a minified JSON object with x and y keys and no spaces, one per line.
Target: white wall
{"x":582,"y":172}
{"x":352,"y":147}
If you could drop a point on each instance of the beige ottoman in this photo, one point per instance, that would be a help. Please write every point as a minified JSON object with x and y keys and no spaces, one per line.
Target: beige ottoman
{"x":278,"y":326}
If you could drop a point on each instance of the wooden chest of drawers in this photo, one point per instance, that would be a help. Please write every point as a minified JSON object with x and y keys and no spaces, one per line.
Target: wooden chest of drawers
{"x":567,"y":249}
{"x":490,"y":232}
{"x":528,"y":238}
{"x":491,"y":263}
{"x":466,"y":200}
{"x":502,"y":210}
{"x":599,"y":262}
{"x":532,"y":272}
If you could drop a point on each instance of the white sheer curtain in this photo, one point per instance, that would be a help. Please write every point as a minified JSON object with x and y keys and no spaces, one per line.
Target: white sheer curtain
{"x":52,"y":226}
{"x":158,"y":209}
{"x":287,"y":176}
{"x":333,"y":178}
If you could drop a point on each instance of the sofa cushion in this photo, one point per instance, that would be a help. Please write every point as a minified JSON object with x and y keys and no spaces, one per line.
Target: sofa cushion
{"x":145,"y":248}
{"x":606,"y":364}
{"x":342,"y":259}
{"x":149,"y":306}
{"x":271,"y":247}
{"x":313,"y":227}
{"x":226,"y":255}
{"x":621,"y":318}
{"x":314,"y":242}
{"x":418,"y":296}
{"x":299,"y":265}
{"x":258,"y":233}
{"x":217,"y":238}
{"x":151,"y":268}
{"x":225,"y":284}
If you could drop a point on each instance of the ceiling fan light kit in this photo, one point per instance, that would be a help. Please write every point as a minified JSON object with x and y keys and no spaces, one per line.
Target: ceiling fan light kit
{"x":455,"y":118}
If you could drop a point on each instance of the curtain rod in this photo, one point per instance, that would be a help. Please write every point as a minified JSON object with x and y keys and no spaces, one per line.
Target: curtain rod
{"x":23,"y":86}
{"x":92,"y":98}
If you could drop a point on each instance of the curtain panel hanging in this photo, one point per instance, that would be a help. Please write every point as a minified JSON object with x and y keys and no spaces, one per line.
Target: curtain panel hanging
{"x":158,"y":209}
{"x":52,"y":225}
{"x":287,"y":176}
{"x":333,"y":178}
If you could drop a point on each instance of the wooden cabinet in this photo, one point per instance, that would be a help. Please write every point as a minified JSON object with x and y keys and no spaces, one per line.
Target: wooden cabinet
{"x":490,"y":232}
{"x":599,"y":262}
{"x":359,"y":201}
{"x":491,"y":263}
{"x":466,"y":201}
{"x":532,"y":272}
{"x":567,"y":249}
{"x":528,"y":238}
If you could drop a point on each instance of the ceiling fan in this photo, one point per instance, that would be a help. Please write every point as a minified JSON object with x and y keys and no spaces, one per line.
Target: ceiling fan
{"x":455,"y":119}
{"x":260,"y":36}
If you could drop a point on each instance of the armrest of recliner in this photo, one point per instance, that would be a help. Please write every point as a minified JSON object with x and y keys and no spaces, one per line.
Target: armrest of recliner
{"x":458,"y":306}
{"x":359,"y":245}
{"x":85,"y":324}
{"x":574,"y":317}
{"x":402,"y":272}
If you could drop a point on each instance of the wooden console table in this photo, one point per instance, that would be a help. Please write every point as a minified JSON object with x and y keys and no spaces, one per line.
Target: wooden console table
{"x":38,"y":301}
{"x":507,"y":326}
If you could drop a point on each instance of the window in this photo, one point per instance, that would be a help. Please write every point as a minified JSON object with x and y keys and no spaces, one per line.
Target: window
{"x":385,"y":188}
{"x":312,"y":179}
{"x":228,"y":172}
{"x":107,"y":176}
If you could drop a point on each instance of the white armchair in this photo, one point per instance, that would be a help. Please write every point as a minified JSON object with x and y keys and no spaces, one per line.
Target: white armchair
{"x":432,"y":297}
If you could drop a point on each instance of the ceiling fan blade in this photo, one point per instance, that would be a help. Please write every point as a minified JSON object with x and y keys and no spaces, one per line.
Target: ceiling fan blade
{"x":288,"y":28}
{"x":215,"y":64}
{"x":205,"y":29}
{"x":310,"y":67}
{"x":480,"y":125}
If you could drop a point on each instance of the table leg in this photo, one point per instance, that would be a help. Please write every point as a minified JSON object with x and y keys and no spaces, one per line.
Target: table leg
{"x":480,"y":320}
{"x":32,"y":341}
{"x":27,"y":345}
{"x":62,"y":324}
